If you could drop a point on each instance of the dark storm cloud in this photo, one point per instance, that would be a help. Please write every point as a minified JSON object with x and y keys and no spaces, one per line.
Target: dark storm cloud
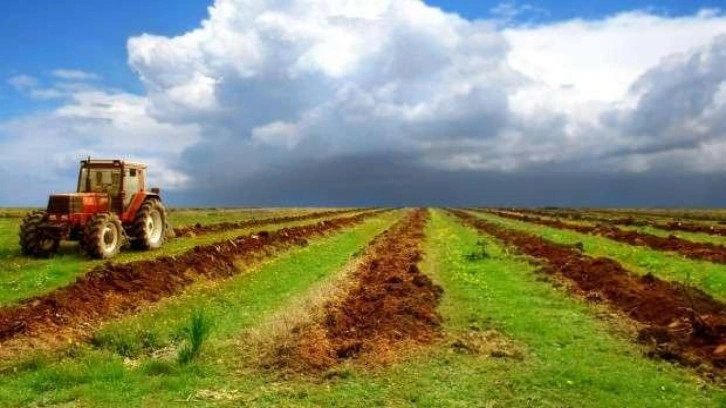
{"x":472,"y":148}
{"x":399,"y":181}
{"x":681,"y":104}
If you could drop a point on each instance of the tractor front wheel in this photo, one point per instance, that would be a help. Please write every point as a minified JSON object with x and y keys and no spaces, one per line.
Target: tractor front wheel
{"x":149,"y":228}
{"x":103,"y":236}
{"x":34,"y":241}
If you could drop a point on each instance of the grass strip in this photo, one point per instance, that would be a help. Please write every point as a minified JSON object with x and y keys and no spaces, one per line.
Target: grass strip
{"x":707,"y":276}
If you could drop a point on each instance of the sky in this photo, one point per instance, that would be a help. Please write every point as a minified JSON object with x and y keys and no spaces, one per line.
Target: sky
{"x":377,"y":102}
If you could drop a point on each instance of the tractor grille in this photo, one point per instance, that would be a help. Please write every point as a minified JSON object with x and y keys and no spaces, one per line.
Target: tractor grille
{"x":64,"y":204}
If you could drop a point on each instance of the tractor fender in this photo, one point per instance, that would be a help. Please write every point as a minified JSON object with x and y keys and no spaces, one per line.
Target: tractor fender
{"x":136,"y":202}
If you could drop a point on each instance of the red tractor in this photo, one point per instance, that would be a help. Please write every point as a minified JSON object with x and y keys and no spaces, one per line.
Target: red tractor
{"x":112,"y":207}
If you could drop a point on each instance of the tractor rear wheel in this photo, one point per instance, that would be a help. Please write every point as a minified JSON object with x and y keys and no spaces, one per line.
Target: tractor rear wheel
{"x":33,"y":240}
{"x":149,"y":228}
{"x":103,"y":236}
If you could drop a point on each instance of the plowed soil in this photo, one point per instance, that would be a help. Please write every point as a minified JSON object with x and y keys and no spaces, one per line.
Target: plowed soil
{"x":114,"y":289}
{"x":694,"y":250}
{"x":676,"y":225}
{"x":390,"y":304}
{"x":679,"y":323}
{"x":199,"y":229}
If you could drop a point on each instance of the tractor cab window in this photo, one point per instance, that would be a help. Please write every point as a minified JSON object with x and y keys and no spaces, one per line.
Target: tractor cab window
{"x":132,"y":185}
{"x":100,"y":181}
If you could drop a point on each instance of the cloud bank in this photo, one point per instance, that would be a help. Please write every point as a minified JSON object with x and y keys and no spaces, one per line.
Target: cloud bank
{"x":394,"y":102}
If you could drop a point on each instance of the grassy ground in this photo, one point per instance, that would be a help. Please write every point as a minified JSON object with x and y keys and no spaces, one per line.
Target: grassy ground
{"x":563,"y":355}
{"x":23,"y":277}
{"x":572,"y":359}
{"x":710,"y":277}
{"x":706,"y":215}
{"x":179,"y":217}
{"x":103,"y":375}
{"x":690,"y":236}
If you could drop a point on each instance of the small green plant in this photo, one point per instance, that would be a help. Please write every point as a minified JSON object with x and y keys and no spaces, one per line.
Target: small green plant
{"x":130,"y":343}
{"x":480,"y":253}
{"x":159,"y":367}
{"x":196,"y":333}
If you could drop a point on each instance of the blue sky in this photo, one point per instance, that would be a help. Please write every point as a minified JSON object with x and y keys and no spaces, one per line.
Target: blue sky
{"x":38,"y":36}
{"x":282,"y":95}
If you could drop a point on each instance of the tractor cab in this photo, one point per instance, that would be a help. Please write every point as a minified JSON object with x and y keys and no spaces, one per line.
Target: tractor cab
{"x":117,"y":179}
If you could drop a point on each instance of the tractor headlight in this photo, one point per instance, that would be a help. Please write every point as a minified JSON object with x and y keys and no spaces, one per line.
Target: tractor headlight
{"x":64,"y":217}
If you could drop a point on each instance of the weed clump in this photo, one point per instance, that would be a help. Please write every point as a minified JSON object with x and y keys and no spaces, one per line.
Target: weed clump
{"x":131,"y":344}
{"x":480,"y":253}
{"x":199,"y":328}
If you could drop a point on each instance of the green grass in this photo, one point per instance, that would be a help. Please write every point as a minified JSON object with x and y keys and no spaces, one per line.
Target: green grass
{"x":689,"y":236}
{"x":572,"y":359}
{"x":710,"y":277}
{"x":23,"y":277}
{"x":179,"y":217}
{"x":569,"y":358}
{"x":97,"y":376}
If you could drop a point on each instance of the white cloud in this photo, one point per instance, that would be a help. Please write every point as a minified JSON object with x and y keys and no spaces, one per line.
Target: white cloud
{"x":510,"y":11}
{"x":47,"y":93}
{"x":75,"y":75}
{"x":46,"y":148}
{"x":318,"y":78}
{"x":599,"y":60}
{"x":22,"y":82}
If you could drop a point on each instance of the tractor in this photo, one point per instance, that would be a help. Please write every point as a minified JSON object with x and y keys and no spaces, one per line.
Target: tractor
{"x":110,"y":209}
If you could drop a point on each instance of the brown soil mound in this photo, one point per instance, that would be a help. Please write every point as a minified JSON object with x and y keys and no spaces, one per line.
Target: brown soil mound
{"x":694,"y":250}
{"x":114,"y":289}
{"x":676,"y":225}
{"x":691,"y":227}
{"x":199,"y":229}
{"x":682,"y":323}
{"x":391,"y":303}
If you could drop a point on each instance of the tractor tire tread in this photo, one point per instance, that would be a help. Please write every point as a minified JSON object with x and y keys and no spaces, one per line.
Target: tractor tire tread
{"x":30,"y":237}
{"x":91,"y":242}
{"x":138,"y":232}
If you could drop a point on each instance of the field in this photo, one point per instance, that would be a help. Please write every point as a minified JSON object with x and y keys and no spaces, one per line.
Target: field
{"x":376,"y":307}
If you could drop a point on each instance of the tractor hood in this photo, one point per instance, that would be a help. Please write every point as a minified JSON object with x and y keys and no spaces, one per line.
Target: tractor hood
{"x":78,"y":203}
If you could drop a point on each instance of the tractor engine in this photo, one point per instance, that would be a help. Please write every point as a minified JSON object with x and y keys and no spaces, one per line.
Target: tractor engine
{"x":69,"y":212}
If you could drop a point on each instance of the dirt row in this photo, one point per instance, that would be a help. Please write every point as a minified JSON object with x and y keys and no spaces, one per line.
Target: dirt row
{"x":189,"y":231}
{"x":702,"y":251}
{"x":679,"y":323}
{"x":676,"y":225}
{"x":115,"y":289}
{"x":391,"y":303}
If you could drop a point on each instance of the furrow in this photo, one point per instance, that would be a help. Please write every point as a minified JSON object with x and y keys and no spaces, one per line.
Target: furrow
{"x":676,"y":225}
{"x":199,"y":229}
{"x":679,"y":322}
{"x":693,"y":250}
{"x":115,"y":289}
{"x":390,"y":303}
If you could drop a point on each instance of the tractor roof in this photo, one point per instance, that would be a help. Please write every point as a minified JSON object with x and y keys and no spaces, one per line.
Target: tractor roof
{"x":112,"y":163}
